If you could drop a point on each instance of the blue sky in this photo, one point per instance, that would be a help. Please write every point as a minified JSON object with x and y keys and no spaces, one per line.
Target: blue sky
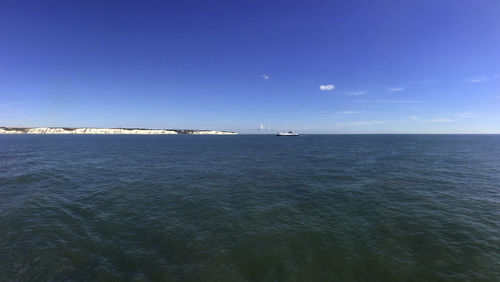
{"x":253,"y":66}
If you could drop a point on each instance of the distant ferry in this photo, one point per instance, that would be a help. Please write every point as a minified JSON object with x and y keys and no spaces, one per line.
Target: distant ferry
{"x":289,"y":133}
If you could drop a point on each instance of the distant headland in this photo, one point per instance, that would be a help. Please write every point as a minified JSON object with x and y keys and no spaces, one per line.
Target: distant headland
{"x":89,"y":130}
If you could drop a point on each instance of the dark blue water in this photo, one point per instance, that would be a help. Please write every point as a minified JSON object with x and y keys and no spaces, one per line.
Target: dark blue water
{"x":250,"y":208}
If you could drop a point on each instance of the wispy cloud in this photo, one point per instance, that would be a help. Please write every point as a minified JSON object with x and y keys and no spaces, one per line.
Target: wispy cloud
{"x":338,"y":115}
{"x":441,"y":120}
{"x":327,"y":87}
{"x":347,"y":112}
{"x":422,"y":81}
{"x":356,"y":93}
{"x":263,"y":127}
{"x":10,"y":108}
{"x":476,"y":79}
{"x":396,"y":89}
{"x":466,"y":115}
{"x":13,"y":114}
{"x":359,"y":123}
{"x":392,"y":101}
{"x":265,"y":76}
{"x":450,"y":118}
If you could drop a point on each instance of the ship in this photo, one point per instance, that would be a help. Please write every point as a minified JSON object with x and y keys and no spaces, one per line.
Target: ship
{"x":289,"y":133}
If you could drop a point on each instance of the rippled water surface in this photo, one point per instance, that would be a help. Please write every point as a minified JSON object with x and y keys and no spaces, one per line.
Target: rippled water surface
{"x":250,"y":208}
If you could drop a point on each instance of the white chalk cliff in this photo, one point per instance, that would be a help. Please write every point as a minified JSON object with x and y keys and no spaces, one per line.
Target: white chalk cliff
{"x":63,"y":130}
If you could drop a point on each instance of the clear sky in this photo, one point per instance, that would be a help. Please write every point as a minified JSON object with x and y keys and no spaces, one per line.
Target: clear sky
{"x":253,"y":66}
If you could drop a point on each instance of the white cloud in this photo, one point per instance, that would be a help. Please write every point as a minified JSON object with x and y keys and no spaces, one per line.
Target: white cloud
{"x":265,"y":76}
{"x":395,"y":89}
{"x":326,"y":87}
{"x":477,"y":79}
{"x":357,"y":93}
{"x":413,"y":117}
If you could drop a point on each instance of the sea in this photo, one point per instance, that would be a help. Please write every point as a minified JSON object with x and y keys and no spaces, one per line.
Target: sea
{"x":250,"y":208}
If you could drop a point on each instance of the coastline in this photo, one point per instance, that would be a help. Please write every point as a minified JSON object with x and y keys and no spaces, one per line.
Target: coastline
{"x":90,"y":130}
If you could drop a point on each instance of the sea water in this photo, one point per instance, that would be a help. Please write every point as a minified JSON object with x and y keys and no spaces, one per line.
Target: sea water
{"x":250,"y":208}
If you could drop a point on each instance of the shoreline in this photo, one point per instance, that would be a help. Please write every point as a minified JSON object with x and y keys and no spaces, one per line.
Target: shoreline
{"x":92,"y":131}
